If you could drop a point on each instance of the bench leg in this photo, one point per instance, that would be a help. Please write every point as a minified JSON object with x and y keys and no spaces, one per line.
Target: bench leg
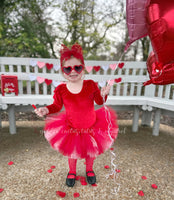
{"x":12,"y":121}
{"x":0,"y":120}
{"x":135,"y":119}
{"x":156,"y":124}
{"x":146,"y":118}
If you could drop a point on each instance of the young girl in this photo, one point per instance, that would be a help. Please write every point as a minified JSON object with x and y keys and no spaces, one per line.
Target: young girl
{"x":79,"y":132}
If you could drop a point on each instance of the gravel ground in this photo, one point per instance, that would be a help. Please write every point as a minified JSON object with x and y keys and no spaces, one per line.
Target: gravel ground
{"x":136,"y":155}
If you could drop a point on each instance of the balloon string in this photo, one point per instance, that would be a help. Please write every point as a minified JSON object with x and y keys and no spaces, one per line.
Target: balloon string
{"x":112,"y":154}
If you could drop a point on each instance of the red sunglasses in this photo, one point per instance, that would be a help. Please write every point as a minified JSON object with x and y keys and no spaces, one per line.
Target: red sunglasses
{"x":77,"y":68}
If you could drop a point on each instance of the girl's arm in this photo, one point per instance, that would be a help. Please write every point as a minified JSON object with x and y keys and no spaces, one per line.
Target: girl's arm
{"x":101,"y":96}
{"x":56,"y":106}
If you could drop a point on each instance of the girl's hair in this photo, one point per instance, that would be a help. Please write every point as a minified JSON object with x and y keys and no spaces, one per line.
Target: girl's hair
{"x":75,"y":51}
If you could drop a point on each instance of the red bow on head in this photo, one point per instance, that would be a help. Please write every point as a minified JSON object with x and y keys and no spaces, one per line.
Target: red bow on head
{"x":75,"y":51}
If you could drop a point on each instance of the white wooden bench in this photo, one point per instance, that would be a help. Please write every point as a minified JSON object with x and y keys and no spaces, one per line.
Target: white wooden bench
{"x":130,"y":94}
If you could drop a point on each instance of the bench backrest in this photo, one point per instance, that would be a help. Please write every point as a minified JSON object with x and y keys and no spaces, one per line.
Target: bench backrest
{"x":133,"y":74}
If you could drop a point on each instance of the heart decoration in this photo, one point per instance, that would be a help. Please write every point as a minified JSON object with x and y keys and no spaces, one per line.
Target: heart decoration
{"x":55,"y":83}
{"x":32,"y":77}
{"x":105,"y":68}
{"x":96,"y":68}
{"x":102,"y":83}
{"x":40,"y":79}
{"x":56,"y":67}
{"x":88,"y":68}
{"x":118,"y":80}
{"x":33,"y":63}
{"x":49,"y":66}
{"x":121,"y":65}
{"x":111,"y":82}
{"x":40,"y":64}
{"x":48,"y":81}
{"x":113,"y":66}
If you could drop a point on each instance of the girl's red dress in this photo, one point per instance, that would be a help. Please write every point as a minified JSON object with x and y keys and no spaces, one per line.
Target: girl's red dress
{"x":80,"y":131}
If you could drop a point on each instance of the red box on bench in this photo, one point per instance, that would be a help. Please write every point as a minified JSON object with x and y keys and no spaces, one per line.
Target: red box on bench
{"x":9,"y":84}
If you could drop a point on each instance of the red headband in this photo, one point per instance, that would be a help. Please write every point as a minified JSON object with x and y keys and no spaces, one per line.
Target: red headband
{"x":66,"y":53}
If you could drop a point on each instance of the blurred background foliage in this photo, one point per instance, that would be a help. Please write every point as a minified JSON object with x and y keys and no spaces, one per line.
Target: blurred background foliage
{"x":37,"y":28}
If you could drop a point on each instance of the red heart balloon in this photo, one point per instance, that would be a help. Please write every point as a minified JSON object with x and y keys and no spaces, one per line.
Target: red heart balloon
{"x":48,"y":81}
{"x":96,"y":68}
{"x":49,"y":66}
{"x":160,"y":23}
{"x":159,"y":74}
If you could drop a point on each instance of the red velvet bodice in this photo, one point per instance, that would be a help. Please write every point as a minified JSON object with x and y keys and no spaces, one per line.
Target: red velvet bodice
{"x":79,"y":107}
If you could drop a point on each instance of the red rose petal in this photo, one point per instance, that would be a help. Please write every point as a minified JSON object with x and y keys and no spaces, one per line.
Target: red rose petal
{"x":1,"y":190}
{"x":118,"y":170}
{"x":154,"y":186}
{"x":76,"y":194}
{"x":50,"y":171}
{"x":53,"y":167}
{"x":83,"y":180}
{"x":111,"y":149}
{"x":144,"y":177}
{"x":141,"y":193}
{"x":94,"y":185}
{"x":11,"y":163}
{"x":61,"y":194}
{"x":107,"y":167}
{"x":78,"y":178}
{"x":83,"y":183}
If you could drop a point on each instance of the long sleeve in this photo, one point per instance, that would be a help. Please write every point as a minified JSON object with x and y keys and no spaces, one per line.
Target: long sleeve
{"x":97,"y":95}
{"x":57,"y":103}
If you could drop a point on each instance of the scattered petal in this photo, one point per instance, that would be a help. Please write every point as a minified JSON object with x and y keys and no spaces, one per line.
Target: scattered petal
{"x":118,"y":170}
{"x":83,"y":183}
{"x":1,"y":190}
{"x":94,"y":185}
{"x":76,"y":194}
{"x":50,"y":171}
{"x":53,"y":167}
{"x":78,"y":178}
{"x":83,"y":180}
{"x":61,"y":194}
{"x":111,"y":149}
{"x":141,"y":193}
{"x":154,"y":186}
{"x":11,"y":163}
{"x":144,"y":177}
{"x":107,"y":167}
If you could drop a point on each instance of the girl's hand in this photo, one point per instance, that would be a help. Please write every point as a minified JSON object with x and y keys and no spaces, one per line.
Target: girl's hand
{"x":41,"y":111}
{"x":105,"y":90}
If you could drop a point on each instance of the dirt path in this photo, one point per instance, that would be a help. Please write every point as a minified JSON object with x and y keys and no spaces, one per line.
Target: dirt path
{"x":137,"y":154}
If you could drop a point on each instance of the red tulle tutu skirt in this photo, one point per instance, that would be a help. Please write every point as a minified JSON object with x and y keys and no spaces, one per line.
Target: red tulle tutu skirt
{"x":81,"y":143}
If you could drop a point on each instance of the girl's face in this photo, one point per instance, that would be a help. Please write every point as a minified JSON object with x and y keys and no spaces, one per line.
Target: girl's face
{"x":73,"y":76}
